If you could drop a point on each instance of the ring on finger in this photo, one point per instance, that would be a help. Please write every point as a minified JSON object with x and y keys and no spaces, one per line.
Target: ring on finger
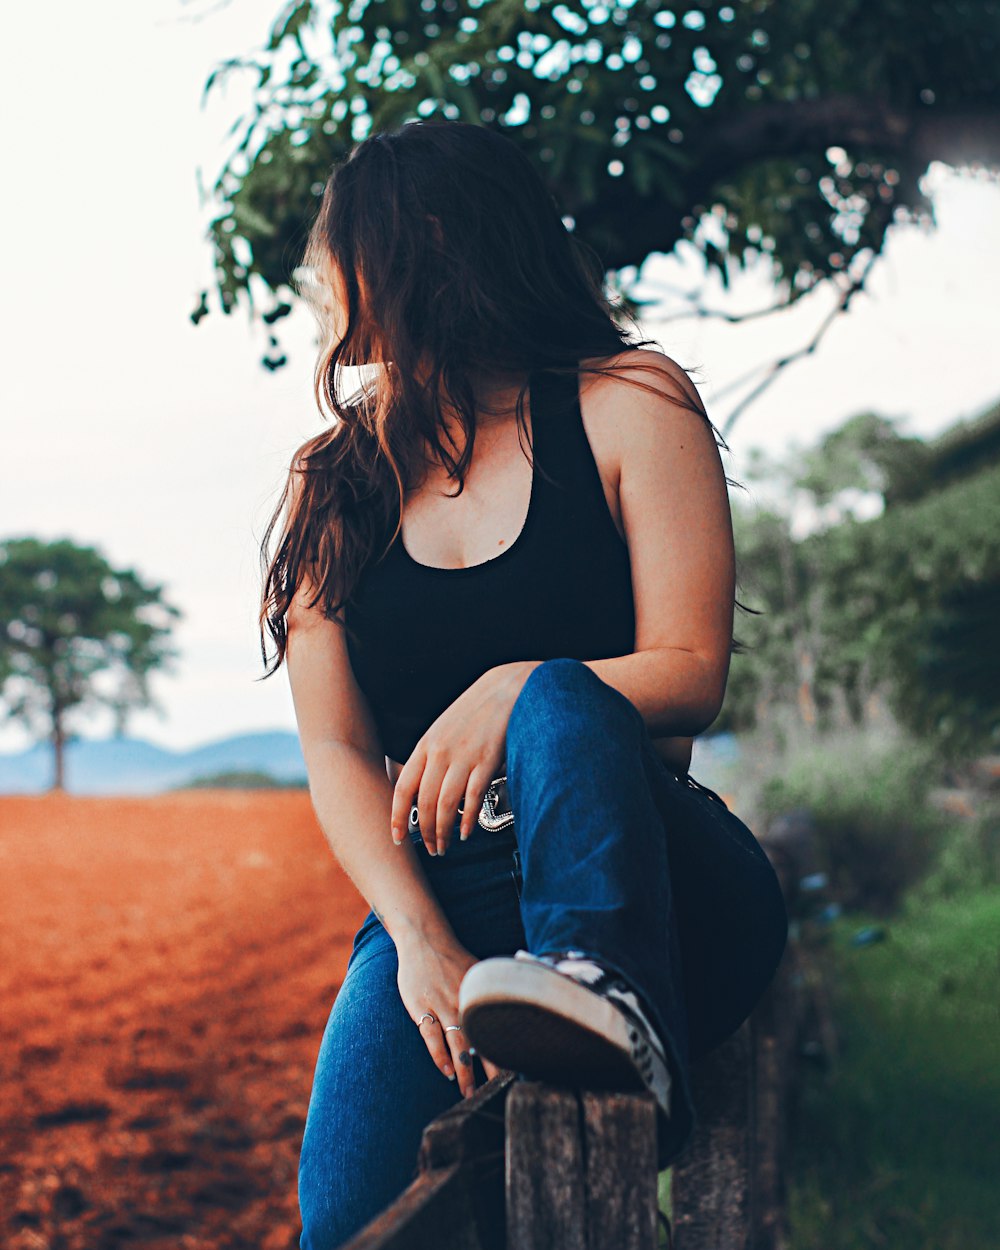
{"x":428,"y":1015}
{"x":448,"y":1027}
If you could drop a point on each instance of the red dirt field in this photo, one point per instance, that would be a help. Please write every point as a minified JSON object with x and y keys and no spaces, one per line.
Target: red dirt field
{"x":167,"y":965}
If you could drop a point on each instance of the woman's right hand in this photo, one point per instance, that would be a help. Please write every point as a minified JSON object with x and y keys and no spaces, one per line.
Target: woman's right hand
{"x":429,"y":978}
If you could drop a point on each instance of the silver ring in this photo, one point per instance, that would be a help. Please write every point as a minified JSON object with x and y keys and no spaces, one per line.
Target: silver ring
{"x":426,"y":1016}
{"x":449,"y":1027}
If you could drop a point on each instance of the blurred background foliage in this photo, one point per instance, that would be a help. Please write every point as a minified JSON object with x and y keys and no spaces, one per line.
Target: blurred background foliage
{"x":868,"y":693}
{"x":886,"y":616}
{"x":798,"y":130}
{"x":866,"y":709}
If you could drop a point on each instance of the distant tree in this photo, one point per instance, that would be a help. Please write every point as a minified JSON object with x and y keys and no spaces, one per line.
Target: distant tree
{"x":932,"y":570}
{"x":867,"y":455}
{"x":75,"y":633}
{"x":797,"y":131}
{"x":896,"y":611}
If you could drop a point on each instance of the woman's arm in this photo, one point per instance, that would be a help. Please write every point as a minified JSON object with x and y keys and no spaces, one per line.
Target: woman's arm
{"x":352,"y":796}
{"x":678,"y":527}
{"x":350,"y":790}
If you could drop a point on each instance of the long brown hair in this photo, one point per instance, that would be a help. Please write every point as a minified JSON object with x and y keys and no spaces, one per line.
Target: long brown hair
{"x":438,"y":253}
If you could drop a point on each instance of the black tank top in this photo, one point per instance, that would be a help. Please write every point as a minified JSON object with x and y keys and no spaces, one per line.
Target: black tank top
{"x":418,"y":636}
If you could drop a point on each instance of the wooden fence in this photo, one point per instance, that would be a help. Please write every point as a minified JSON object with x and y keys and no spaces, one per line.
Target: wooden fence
{"x":521,"y":1165}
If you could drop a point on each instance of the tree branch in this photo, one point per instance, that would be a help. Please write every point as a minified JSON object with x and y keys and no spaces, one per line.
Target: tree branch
{"x":788,"y":127}
{"x":719,"y":314}
{"x":776,"y":366}
{"x":785,"y":128}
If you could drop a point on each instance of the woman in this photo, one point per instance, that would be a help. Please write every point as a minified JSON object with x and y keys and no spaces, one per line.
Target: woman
{"x":497,"y":686}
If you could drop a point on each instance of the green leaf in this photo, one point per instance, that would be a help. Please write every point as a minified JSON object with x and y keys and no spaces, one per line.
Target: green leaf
{"x":249,"y":219}
{"x":289,"y":24}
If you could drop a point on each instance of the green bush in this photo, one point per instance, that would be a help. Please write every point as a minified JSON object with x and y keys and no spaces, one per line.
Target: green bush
{"x":242,"y":779}
{"x":878,"y":834}
{"x":969,"y":858}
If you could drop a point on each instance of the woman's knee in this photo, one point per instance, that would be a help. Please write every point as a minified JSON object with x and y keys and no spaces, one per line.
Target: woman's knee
{"x":561,"y":692}
{"x":556,"y":675}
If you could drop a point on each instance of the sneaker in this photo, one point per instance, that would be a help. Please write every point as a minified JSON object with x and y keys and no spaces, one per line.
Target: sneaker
{"x":564,"y":1019}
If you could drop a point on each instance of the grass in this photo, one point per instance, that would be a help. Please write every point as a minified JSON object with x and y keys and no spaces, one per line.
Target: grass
{"x":898,"y":1146}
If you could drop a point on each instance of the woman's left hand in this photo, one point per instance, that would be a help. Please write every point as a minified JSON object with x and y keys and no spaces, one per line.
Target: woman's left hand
{"x":457,"y":758}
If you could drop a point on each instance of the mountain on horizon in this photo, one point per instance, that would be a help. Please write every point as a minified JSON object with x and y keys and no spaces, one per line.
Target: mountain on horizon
{"x":135,"y":766}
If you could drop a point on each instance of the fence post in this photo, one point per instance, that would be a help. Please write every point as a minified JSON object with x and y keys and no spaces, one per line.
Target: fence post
{"x":581,"y":1169}
{"x":710,"y":1183}
{"x":727,"y":1189}
{"x":457,"y":1195}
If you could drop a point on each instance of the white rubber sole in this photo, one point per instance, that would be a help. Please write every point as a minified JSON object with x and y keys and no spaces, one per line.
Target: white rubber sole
{"x":531,"y":1019}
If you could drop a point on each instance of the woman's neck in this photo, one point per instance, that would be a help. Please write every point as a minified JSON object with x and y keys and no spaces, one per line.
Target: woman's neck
{"x":495,"y":394}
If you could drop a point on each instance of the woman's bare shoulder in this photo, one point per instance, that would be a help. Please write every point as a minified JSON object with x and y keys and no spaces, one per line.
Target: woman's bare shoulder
{"x":640,"y":364}
{"x":613,"y":408}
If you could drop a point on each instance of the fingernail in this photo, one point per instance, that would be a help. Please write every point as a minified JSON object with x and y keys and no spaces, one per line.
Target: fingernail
{"x":449,"y":1071}
{"x":464,"y":835}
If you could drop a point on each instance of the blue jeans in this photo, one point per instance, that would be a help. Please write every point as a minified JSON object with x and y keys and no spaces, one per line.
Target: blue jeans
{"x":609,"y":852}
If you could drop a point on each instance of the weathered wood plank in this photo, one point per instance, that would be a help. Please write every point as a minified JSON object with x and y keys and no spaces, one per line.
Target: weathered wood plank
{"x":460,"y":1183}
{"x":711,"y":1177}
{"x":620,"y":1171}
{"x":775,"y":1032}
{"x":776,"y":1023}
{"x":470,"y":1129}
{"x":727,"y":1187}
{"x":545,"y":1176}
{"x":435,"y":1201}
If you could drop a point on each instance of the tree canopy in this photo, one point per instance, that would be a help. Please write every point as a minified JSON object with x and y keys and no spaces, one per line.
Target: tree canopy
{"x":898,"y":609}
{"x":795,"y":130}
{"x":77,"y":634}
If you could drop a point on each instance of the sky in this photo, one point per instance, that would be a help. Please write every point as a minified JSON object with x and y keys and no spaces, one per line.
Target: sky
{"x":165,"y":445}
